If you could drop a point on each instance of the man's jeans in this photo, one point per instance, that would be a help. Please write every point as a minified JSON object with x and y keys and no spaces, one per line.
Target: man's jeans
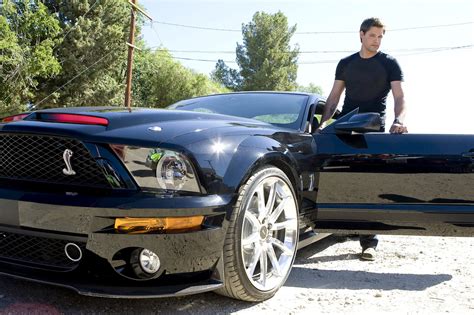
{"x":367,"y":241}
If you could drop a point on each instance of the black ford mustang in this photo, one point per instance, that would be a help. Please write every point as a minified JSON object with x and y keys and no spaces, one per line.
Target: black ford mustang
{"x":214,"y":193}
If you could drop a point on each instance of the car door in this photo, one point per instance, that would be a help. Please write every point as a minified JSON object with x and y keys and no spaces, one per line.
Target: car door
{"x":380,"y":183}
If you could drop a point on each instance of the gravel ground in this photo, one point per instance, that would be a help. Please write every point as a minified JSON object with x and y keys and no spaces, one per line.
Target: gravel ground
{"x":412,"y":275}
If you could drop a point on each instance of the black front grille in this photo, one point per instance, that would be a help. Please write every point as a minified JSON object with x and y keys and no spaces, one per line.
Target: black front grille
{"x":40,"y":159}
{"x":41,"y":252}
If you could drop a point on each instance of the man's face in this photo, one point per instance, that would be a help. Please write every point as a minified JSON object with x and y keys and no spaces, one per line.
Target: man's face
{"x":372,"y":39}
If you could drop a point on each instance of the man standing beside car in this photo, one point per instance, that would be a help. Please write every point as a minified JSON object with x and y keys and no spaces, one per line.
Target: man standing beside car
{"x":368,"y":76}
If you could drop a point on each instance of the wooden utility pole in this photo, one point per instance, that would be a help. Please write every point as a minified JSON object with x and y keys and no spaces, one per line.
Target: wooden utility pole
{"x":131,"y":46}
{"x":131,"y":41}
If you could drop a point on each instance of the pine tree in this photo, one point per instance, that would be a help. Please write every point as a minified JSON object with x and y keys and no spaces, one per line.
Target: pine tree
{"x":92,"y":54}
{"x":266,"y":59}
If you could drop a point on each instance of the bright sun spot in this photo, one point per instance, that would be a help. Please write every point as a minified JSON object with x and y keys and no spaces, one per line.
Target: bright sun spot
{"x":218,"y":147}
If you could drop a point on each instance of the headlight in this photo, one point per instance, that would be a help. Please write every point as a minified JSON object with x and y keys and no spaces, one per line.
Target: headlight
{"x":161,"y":169}
{"x":174,"y":172}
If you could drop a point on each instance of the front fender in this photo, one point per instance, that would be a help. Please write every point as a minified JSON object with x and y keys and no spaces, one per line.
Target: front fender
{"x":257,"y":152}
{"x":226,"y":163}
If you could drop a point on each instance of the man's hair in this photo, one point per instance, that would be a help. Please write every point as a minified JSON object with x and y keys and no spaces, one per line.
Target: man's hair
{"x":371,"y":22}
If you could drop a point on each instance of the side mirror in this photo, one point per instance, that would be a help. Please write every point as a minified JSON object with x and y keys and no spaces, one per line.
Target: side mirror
{"x":354,"y":122}
{"x":360,"y":123}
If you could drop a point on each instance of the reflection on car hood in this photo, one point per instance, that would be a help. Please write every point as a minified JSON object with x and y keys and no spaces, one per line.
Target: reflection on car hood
{"x":139,"y":126}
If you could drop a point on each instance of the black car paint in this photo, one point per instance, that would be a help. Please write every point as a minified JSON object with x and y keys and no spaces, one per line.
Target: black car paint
{"x":403,"y":184}
{"x":330,"y":172}
{"x":73,"y":212}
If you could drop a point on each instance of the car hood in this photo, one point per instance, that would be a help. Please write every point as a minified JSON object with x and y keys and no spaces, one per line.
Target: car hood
{"x":147,"y":127}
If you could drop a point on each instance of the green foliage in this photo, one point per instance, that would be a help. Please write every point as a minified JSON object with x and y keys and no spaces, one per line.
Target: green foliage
{"x":226,"y":76}
{"x":160,"y":81}
{"x":56,"y":53}
{"x":93,"y":54}
{"x":266,"y":59}
{"x":277,"y":118}
{"x":29,"y":35}
{"x":311,"y":88}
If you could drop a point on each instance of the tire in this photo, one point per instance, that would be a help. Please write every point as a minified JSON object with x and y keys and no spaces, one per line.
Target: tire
{"x":262,"y":235}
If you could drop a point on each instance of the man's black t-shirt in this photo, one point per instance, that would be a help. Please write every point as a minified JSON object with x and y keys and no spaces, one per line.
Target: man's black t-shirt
{"x":367,"y":81}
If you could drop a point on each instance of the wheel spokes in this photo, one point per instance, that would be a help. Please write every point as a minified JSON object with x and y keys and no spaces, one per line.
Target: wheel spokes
{"x":252,"y":219}
{"x":253,"y":263}
{"x":273,"y":260}
{"x":261,"y":203}
{"x":271,"y":199}
{"x":285,"y":250}
{"x":288,"y":224}
{"x":269,"y":233}
{"x":251,"y":239}
{"x":263,"y":267}
{"x":252,"y":229}
{"x":276,"y":213}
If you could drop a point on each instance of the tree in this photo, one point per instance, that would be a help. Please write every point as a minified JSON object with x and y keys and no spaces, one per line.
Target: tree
{"x":226,"y":76}
{"x":93,"y":54}
{"x":311,"y":88}
{"x":265,"y":58}
{"x":29,"y":34}
{"x":159,"y":80}
{"x":56,"y":53}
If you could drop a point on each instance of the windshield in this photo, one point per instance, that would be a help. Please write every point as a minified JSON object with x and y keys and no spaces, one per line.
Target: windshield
{"x":284,"y":110}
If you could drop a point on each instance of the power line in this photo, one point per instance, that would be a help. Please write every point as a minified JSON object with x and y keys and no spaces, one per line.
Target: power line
{"x":433,"y":50}
{"x":157,"y":35}
{"x":160,"y":48}
{"x":19,"y":68}
{"x":438,"y":50}
{"x":310,"y":32}
{"x":432,"y":26}
{"x":389,"y":29}
{"x":75,"y":77}
{"x":408,"y":54}
{"x":197,"y":27}
{"x":16,"y":76}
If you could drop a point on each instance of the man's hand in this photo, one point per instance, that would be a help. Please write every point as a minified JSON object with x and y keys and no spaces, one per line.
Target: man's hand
{"x":321,"y":127}
{"x":398,"y":127}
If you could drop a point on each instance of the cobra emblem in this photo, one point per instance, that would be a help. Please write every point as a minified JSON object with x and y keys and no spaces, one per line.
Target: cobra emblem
{"x":67,"y":160}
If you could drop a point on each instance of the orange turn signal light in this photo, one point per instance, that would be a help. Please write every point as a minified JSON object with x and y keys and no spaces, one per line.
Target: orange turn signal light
{"x":164,"y":225}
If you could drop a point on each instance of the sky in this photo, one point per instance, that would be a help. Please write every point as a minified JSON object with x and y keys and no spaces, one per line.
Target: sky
{"x":425,"y":37}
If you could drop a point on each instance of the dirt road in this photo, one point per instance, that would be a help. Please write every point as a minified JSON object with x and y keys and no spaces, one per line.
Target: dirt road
{"x":413,"y":275}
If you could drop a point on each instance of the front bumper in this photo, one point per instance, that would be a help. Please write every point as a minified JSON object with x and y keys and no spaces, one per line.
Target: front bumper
{"x":188,"y":260}
{"x":92,"y":286}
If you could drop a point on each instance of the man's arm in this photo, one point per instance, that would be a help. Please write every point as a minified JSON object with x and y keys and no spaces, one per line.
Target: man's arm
{"x":331,"y":102}
{"x":398,"y":125}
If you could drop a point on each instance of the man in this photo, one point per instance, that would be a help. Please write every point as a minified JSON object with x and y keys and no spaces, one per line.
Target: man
{"x":368,"y":76}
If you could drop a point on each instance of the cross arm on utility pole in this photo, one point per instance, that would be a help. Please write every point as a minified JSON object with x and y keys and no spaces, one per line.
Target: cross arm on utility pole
{"x":136,"y":7}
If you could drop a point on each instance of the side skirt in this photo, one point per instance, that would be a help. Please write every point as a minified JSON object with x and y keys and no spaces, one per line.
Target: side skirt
{"x":396,"y":219}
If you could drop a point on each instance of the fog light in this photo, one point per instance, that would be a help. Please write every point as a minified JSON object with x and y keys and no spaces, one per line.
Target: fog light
{"x":149,"y":261}
{"x":144,"y":264}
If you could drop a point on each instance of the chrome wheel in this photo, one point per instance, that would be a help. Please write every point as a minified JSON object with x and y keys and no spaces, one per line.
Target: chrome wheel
{"x":262,"y":237}
{"x":269,"y":233}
